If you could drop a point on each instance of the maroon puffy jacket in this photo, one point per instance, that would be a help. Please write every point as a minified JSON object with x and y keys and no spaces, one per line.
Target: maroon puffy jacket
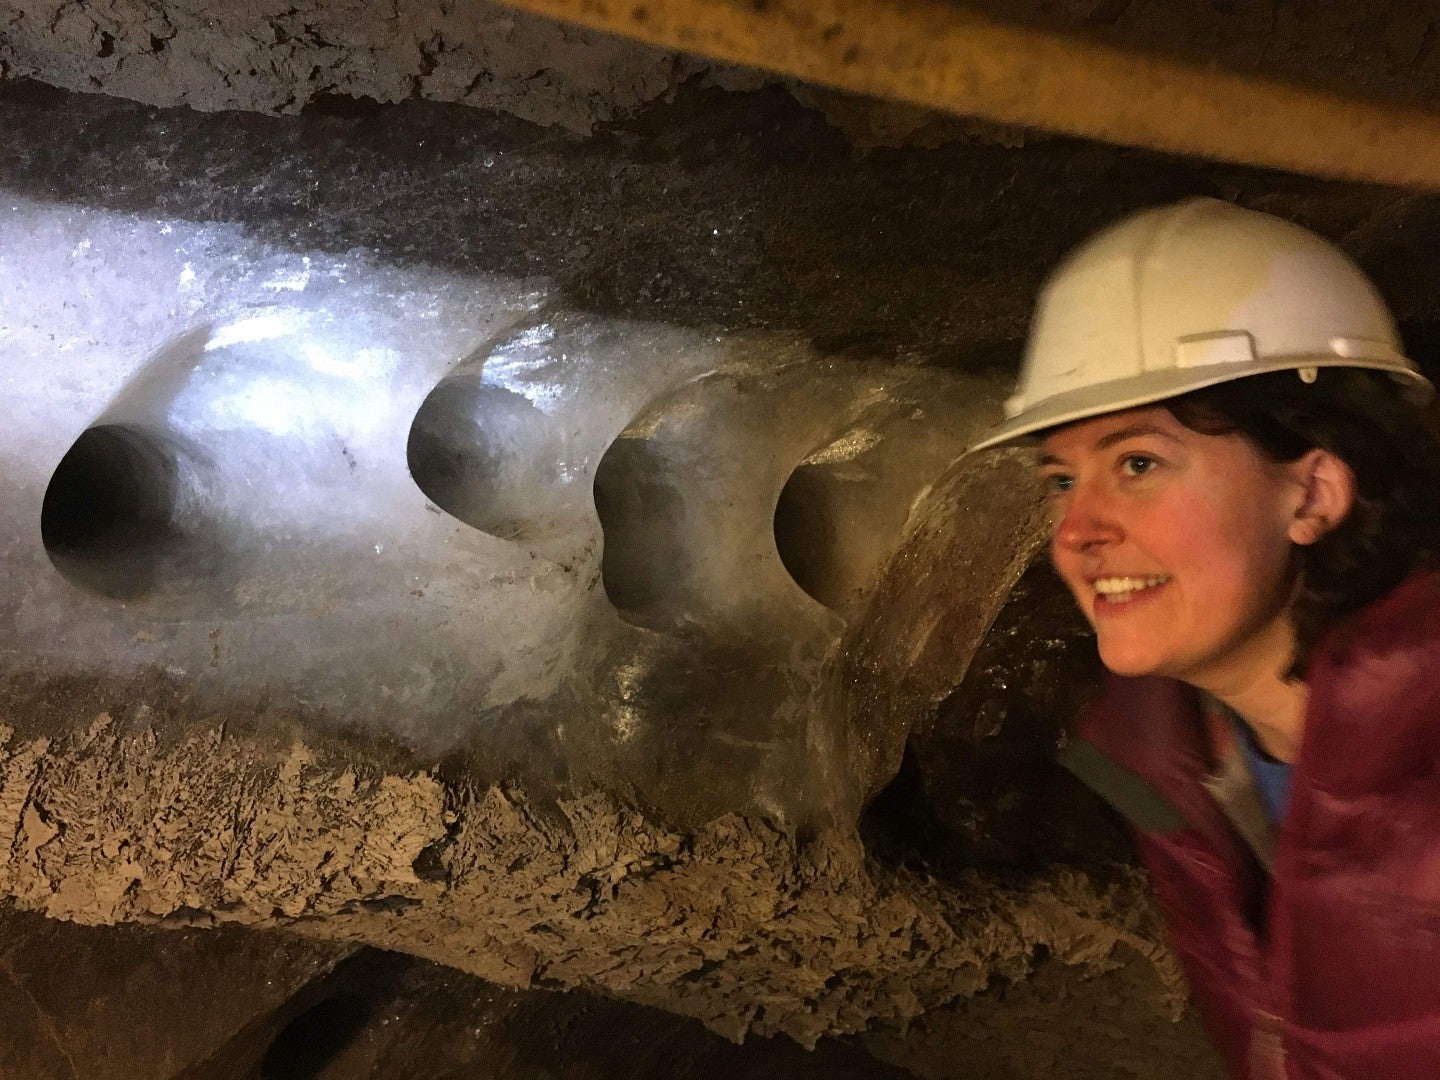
{"x":1333,"y":971}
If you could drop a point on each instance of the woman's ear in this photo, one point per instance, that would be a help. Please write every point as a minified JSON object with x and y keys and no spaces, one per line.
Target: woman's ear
{"x":1328,"y":487}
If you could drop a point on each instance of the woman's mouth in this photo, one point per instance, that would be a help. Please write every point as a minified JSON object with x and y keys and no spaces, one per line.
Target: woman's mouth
{"x":1123,"y":590}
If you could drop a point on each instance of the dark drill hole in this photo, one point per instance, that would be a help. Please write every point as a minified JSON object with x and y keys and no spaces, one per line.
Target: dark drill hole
{"x":641,"y":514}
{"x":315,"y":1038}
{"x":353,"y":995}
{"x":482,"y":453}
{"x":114,"y":481}
{"x":806,"y":530}
{"x":119,"y":506}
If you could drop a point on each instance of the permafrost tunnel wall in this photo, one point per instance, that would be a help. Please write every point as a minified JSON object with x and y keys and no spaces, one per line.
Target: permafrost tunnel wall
{"x":421,"y":604}
{"x":536,"y":544}
{"x":533,"y":554}
{"x":449,"y":509}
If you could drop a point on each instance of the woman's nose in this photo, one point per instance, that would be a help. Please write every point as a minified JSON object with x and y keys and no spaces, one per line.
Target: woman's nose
{"x":1087,"y":521}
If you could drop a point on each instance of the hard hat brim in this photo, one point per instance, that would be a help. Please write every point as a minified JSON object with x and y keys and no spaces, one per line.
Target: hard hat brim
{"x":1153,"y":387}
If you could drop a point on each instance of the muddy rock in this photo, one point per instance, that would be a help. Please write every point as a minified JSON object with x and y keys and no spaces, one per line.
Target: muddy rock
{"x":736,"y":924}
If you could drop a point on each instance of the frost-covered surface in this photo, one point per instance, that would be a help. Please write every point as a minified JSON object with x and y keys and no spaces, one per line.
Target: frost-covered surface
{"x":245,"y":506}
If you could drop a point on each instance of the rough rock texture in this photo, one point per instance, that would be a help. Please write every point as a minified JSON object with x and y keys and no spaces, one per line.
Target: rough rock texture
{"x":280,"y":57}
{"x":1110,"y":1030}
{"x":736,"y":924}
{"x":434,"y":1022}
{"x":270,"y":56}
{"x":96,"y":1003}
{"x":276,"y":57}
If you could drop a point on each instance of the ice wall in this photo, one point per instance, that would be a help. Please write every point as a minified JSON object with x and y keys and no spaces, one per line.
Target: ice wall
{"x":450,"y":508}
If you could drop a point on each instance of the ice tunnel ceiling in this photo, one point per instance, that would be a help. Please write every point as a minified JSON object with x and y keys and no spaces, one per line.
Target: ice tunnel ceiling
{"x":535,"y":538}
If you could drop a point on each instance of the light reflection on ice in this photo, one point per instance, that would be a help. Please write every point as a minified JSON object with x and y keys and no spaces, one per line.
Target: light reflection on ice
{"x":542,"y":395}
{"x":846,"y":448}
{"x":513,"y":367}
{"x":363,"y":363}
{"x":278,"y":406}
{"x":629,"y":681}
{"x":256,"y":328}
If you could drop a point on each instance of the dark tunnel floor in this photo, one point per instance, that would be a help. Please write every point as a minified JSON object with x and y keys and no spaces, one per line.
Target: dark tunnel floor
{"x":226,"y":1004}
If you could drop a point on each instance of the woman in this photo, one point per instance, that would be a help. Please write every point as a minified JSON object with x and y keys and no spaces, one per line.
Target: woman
{"x":1245,"y":483}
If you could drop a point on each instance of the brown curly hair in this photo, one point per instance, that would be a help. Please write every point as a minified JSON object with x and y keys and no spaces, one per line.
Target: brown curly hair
{"x":1390,"y":442}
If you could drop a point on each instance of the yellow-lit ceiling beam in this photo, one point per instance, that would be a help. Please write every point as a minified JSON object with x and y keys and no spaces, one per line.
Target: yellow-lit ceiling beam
{"x":951,"y":58}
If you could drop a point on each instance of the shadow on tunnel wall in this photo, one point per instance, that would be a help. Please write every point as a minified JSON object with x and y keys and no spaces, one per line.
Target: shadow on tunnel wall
{"x":385,"y":1015}
{"x":716,"y":209}
{"x":978,"y":784}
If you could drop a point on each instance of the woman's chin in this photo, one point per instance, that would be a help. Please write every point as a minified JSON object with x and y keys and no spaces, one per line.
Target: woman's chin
{"x":1132,"y":663}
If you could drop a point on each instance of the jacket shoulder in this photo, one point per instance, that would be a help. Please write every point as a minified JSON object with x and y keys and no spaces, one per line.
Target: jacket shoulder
{"x":1374,"y":713}
{"x":1138,"y":721}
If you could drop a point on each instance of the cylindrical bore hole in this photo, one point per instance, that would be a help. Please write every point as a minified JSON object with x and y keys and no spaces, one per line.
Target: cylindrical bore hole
{"x":806,"y":534}
{"x":642,"y":515}
{"x":315,"y":1038}
{"x":120,"y":508}
{"x":350,"y":999}
{"x":484,"y":454}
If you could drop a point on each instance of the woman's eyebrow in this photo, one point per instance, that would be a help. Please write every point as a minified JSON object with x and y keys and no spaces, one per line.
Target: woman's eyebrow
{"x":1109,"y":440}
{"x":1121,"y":434}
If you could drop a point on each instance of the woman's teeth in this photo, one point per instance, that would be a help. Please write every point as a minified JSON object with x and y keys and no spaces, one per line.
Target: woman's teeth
{"x":1118,"y":590}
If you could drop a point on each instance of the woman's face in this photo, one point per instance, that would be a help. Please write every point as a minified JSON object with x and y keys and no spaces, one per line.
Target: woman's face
{"x":1177,"y":545}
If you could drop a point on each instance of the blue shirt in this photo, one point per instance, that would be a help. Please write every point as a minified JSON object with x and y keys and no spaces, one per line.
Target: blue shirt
{"x":1272,"y":777}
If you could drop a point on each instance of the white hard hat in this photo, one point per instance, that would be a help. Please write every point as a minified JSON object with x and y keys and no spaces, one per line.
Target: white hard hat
{"x":1173,"y":299}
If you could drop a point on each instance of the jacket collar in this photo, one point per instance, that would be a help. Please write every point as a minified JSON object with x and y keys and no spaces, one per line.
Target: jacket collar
{"x":1372,"y":721}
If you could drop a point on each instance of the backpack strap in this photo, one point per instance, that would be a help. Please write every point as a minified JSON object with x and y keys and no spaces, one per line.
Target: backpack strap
{"x":1138,"y":801}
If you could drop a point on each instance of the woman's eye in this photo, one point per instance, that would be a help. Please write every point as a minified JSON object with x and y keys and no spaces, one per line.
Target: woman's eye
{"x":1058,"y":483}
{"x":1137,"y":464}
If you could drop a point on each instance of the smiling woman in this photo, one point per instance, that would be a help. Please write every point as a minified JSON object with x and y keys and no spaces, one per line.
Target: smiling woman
{"x":1243,"y":471}
{"x":1175,"y":544}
